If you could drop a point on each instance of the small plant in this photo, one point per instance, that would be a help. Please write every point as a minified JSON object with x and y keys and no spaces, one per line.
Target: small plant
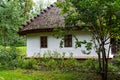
{"x":63,"y":54}
{"x":56,"y":54}
{"x":71,"y":55}
{"x":49,"y":54}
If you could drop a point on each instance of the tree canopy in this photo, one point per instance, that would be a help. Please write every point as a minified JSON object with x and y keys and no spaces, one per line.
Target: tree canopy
{"x":12,"y":15}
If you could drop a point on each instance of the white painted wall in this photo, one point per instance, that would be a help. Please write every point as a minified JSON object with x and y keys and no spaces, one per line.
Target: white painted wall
{"x":33,"y":45}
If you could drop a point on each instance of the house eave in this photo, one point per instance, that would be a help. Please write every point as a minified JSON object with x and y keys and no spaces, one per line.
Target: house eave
{"x":47,"y":30}
{"x":35,"y":31}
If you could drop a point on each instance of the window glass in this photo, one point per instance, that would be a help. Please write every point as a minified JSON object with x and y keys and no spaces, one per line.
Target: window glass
{"x":68,"y":41}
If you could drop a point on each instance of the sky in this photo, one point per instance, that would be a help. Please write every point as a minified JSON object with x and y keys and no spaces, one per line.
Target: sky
{"x":44,"y":2}
{"x":51,"y":1}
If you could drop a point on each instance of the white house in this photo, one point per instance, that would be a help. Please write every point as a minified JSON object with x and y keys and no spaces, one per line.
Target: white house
{"x":40,"y":40}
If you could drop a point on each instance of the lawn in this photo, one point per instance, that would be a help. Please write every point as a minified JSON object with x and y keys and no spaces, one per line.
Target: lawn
{"x":21,"y":74}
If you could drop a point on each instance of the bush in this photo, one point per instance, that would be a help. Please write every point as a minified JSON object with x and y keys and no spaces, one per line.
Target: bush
{"x":11,"y":59}
{"x":71,"y":64}
{"x":28,"y":64}
{"x":112,"y":67}
{"x":8,"y":58}
{"x":90,"y":64}
{"x":116,"y":61}
{"x":115,"y":64}
{"x":51,"y":64}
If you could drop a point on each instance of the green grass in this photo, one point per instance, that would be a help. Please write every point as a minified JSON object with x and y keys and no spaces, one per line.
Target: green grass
{"x":22,"y":49}
{"x":20,"y":74}
{"x":13,"y":75}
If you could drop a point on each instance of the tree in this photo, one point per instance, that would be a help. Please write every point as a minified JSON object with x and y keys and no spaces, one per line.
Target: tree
{"x":27,"y":6}
{"x":101,"y":18}
{"x":11,"y":17}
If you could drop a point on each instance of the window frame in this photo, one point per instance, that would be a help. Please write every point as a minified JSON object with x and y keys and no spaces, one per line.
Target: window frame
{"x":68,"y":41}
{"x":43,"y":42}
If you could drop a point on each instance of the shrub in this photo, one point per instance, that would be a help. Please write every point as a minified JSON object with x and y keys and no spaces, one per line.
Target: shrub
{"x":8,"y":58}
{"x":112,"y":67}
{"x":116,"y":61}
{"x":28,"y":64}
{"x":71,"y":64}
{"x":52,"y":64}
{"x":90,"y":64}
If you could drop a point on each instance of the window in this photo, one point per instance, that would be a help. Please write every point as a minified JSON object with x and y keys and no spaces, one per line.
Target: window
{"x":68,"y":41}
{"x":43,"y":41}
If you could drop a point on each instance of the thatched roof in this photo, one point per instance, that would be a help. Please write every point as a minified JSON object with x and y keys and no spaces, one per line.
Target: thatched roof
{"x":45,"y":21}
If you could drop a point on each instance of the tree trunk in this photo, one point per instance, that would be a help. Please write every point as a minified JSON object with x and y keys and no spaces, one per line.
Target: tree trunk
{"x":99,"y":60}
{"x":104,"y":63}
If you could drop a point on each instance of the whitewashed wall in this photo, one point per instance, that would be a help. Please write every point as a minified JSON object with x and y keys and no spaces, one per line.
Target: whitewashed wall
{"x":34,"y":50}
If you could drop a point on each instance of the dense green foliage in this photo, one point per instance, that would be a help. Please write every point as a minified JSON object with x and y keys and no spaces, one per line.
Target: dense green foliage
{"x":116,"y":61}
{"x":8,"y":58}
{"x":11,"y":17}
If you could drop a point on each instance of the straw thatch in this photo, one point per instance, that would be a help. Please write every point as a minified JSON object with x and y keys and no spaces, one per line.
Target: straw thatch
{"x":45,"y":21}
